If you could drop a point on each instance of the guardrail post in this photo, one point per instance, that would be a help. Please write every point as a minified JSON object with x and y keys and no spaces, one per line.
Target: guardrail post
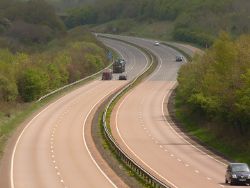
{"x":146,"y":176}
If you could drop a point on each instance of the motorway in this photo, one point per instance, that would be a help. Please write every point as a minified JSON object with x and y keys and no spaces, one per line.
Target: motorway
{"x":141,"y":126}
{"x":52,"y":151}
{"x":53,"y":148}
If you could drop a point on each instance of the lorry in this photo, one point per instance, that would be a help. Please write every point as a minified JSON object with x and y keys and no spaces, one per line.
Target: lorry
{"x":119,"y":66}
{"x":107,"y":74}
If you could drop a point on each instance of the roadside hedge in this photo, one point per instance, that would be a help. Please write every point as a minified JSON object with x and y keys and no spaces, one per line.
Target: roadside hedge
{"x":217,"y":85}
{"x":26,"y":77}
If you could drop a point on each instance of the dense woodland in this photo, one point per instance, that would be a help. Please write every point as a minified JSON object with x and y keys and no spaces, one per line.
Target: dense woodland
{"x":40,"y":52}
{"x":216,"y":89}
{"x":196,"y":21}
{"x":38,"y":55}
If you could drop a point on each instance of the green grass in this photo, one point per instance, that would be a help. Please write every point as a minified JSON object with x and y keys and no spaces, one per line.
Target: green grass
{"x":131,"y":172}
{"x":230,"y":146}
{"x":189,"y":58}
{"x":7,"y":128}
{"x":108,"y":147}
{"x":20,"y":112}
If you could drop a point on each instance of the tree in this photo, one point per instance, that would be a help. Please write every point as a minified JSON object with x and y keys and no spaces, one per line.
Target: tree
{"x":8,"y":89}
{"x":32,"y":84}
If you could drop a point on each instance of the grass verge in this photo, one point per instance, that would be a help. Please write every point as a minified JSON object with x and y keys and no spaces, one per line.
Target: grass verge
{"x":9,"y":125}
{"x":106,"y":143}
{"x":189,"y":58}
{"x":227,"y":145}
{"x":220,"y":141}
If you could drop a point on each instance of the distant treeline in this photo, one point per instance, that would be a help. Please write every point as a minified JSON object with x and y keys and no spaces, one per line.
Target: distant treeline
{"x":197,"y":21}
{"x":217,"y":86}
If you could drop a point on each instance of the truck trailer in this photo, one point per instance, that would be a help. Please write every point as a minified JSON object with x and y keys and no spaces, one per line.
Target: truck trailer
{"x":119,"y":66}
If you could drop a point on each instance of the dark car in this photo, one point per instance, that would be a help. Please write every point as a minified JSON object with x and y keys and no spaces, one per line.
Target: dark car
{"x":123,"y":77}
{"x":237,"y":173}
{"x":179,"y":58}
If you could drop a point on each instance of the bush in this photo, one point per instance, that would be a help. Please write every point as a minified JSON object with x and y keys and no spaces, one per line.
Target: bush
{"x":200,"y":38}
{"x":32,"y":84}
{"x":30,"y":33}
{"x":218,"y":83}
{"x":8,"y":90}
{"x":81,"y":16}
{"x":73,"y":57}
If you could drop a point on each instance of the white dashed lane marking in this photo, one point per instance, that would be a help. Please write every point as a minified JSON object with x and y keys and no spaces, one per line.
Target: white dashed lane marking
{"x":52,"y":146}
{"x":161,"y":146}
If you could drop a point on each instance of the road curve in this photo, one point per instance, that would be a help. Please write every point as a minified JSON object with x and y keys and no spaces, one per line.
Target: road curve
{"x":51,"y":150}
{"x":141,"y":126}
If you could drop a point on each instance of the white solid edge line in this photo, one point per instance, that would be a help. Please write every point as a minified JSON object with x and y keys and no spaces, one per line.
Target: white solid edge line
{"x":173,"y":128}
{"x":181,"y":137}
{"x":118,"y":51}
{"x":85,"y":143}
{"x":84,"y":140}
{"x":19,"y":138}
{"x":27,"y":126}
{"x":118,"y":131}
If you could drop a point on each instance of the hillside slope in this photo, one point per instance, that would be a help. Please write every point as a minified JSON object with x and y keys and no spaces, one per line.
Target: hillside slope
{"x":213,"y":97}
{"x":197,"y":21}
{"x":37,"y":56}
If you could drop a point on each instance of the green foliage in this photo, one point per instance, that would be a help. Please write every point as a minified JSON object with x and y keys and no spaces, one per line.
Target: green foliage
{"x":218,"y":83}
{"x":196,"y":21}
{"x":29,"y":22}
{"x":58,"y":70}
{"x":73,"y":57}
{"x":81,"y":16}
{"x":202,"y":39}
{"x":243,"y":99}
{"x":32,"y":84}
{"x":36,"y":12}
{"x":8,"y":89}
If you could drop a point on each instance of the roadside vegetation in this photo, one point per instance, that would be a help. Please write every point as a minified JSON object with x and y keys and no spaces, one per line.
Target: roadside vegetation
{"x":195,"y":21}
{"x":213,"y":97}
{"x":37,"y":56}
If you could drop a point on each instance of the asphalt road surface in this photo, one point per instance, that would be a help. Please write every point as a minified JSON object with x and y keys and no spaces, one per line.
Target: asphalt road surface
{"x":51,"y":150}
{"x":141,"y":126}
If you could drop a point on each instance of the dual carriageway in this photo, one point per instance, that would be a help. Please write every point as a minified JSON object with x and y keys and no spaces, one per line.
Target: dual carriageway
{"x":54,"y":148}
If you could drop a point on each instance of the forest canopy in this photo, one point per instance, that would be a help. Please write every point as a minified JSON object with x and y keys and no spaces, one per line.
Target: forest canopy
{"x":217,"y":85}
{"x":33,"y":21}
{"x":196,"y":21}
